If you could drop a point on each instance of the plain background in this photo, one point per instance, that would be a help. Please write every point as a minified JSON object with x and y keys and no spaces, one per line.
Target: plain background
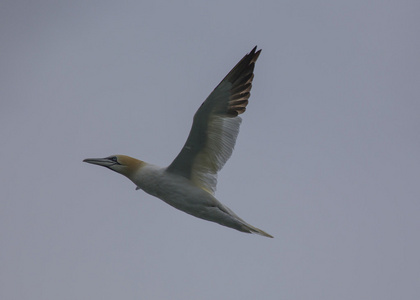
{"x":327,"y":160}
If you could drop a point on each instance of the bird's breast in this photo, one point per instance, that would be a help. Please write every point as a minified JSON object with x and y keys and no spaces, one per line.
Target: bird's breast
{"x":174,"y":189}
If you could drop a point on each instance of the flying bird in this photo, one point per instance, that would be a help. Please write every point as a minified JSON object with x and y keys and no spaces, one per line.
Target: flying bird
{"x":189,"y":182}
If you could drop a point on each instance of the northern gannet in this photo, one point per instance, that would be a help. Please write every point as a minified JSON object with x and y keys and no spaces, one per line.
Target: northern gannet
{"x":189,"y":182}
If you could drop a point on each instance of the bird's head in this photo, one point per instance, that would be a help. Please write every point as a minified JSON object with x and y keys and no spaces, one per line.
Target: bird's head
{"x":122,"y":164}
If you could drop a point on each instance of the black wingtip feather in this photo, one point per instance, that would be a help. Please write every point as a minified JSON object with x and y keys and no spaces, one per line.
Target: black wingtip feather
{"x":241,"y":77}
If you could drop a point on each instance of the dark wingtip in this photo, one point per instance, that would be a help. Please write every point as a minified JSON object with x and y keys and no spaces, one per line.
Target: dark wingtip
{"x":254,"y":50}
{"x":254,"y":54}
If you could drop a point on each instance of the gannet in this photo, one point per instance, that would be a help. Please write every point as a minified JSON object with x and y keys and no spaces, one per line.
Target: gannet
{"x":189,"y":182}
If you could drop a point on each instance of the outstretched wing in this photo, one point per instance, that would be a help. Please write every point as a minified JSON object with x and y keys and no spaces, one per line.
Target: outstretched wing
{"x":216,"y":126}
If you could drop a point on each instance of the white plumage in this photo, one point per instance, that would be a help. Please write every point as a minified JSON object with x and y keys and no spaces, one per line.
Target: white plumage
{"x":189,"y":182}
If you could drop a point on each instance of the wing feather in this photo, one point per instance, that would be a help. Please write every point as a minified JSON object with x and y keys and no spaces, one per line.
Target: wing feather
{"x":216,"y":127}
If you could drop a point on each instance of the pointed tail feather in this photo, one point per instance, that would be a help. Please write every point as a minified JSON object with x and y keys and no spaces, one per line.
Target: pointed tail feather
{"x":251,"y":229}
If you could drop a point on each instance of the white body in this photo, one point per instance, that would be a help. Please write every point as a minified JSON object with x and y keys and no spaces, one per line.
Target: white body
{"x":189,"y":182}
{"x":182,"y":194}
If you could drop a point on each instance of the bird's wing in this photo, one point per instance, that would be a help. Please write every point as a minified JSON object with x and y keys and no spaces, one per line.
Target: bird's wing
{"x":216,"y":126}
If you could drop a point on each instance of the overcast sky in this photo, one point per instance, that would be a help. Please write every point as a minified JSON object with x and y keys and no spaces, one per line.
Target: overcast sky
{"x":327,"y":159}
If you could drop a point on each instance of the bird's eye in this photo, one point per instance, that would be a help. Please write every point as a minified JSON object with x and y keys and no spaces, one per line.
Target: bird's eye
{"x":114,"y":159}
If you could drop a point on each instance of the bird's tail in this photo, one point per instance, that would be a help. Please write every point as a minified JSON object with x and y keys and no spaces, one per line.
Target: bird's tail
{"x":240,"y":224}
{"x":251,"y":229}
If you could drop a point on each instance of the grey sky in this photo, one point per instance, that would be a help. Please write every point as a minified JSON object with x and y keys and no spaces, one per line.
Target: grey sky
{"x":327,"y":160}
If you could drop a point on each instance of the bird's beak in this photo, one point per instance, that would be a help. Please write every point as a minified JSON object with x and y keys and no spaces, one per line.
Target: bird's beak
{"x":105,"y":162}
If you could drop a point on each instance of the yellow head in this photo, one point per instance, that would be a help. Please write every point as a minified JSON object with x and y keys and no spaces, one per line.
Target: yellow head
{"x":122,"y":164}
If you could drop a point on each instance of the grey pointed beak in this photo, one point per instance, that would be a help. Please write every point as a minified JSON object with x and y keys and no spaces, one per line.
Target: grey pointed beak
{"x":105,"y":162}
